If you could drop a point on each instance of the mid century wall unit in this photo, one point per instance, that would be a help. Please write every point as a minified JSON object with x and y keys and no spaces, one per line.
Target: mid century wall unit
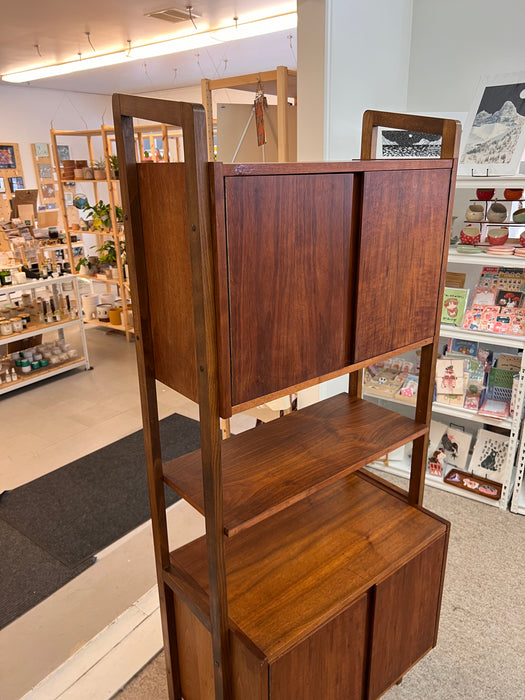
{"x":315,"y":579}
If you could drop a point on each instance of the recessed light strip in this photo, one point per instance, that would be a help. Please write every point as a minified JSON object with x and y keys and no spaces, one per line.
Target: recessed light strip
{"x":188,"y":42}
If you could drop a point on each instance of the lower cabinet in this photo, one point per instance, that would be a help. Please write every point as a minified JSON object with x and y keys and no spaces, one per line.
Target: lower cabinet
{"x":358,"y":654}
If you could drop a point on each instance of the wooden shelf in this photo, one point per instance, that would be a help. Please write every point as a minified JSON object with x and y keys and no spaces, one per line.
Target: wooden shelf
{"x":459,"y":412}
{"x":510,"y":341}
{"x":313,"y":447}
{"x":280,"y":573}
{"x":37,"y":375}
{"x":106,"y":325}
{"x":35,"y":329}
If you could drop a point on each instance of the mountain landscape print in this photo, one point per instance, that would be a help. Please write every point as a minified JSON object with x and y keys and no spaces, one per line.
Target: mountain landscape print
{"x":498,"y":128}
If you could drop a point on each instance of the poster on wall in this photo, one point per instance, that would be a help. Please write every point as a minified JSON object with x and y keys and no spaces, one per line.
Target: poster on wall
{"x":494,"y":134}
{"x":7,"y":157}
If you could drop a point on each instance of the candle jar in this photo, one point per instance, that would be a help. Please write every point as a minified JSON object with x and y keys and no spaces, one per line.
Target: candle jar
{"x":17,"y":324}
{"x":6,"y":328}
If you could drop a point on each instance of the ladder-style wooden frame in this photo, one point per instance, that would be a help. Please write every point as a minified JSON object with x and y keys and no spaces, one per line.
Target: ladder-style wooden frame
{"x":191,"y":119}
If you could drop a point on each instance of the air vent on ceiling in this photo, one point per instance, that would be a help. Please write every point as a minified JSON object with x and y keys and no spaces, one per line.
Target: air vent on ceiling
{"x":173,"y":14}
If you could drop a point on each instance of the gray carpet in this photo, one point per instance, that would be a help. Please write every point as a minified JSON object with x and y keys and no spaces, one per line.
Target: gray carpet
{"x":53,"y":526}
{"x":480,"y":653}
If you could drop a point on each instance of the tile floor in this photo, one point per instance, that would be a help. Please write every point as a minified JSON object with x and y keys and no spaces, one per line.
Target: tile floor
{"x":42,"y":428}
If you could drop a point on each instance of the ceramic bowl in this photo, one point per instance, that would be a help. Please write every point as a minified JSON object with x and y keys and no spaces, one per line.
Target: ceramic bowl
{"x":498,"y":236}
{"x":475,"y":212}
{"x":470,"y":235}
{"x":497,"y":213}
{"x":485,"y":193}
{"x":519,"y":216}
{"x":522,"y":239}
{"x":513,"y":193}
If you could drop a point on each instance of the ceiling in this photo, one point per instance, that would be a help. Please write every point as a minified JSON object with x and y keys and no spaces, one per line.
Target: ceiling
{"x":58,"y":29}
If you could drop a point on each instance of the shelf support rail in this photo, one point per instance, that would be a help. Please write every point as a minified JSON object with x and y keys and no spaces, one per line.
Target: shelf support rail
{"x":192,"y":119}
{"x":450,"y":131}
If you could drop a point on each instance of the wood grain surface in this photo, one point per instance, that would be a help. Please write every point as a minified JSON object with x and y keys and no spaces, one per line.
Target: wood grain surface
{"x":298,"y":569}
{"x":288,"y":241}
{"x":166,"y":246}
{"x":403,"y":230}
{"x":278,"y":463}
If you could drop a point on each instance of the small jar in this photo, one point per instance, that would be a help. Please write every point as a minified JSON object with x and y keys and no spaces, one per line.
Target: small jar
{"x":26,"y":319}
{"x":25,"y":368}
{"x":6,"y":328}
{"x":35,"y":364}
{"x":43,"y":362}
{"x":17,"y":324}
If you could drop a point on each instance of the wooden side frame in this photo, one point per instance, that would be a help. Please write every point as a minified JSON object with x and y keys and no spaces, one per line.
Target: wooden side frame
{"x":192,"y":119}
{"x":450,"y":130}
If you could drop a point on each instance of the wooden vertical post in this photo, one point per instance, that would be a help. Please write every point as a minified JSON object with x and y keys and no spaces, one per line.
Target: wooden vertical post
{"x":208,"y":106}
{"x":282,"y":114}
{"x":192,"y":119}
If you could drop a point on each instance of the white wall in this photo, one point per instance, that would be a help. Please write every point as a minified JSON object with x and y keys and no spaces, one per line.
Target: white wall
{"x":455,"y":43}
{"x":367,"y":61}
{"x":28,"y":114}
{"x":310,"y":79}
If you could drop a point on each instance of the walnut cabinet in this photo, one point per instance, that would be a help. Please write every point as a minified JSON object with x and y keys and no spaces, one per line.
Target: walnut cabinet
{"x":315,"y":578}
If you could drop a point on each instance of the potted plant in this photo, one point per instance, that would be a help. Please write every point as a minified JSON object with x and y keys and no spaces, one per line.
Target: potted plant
{"x":84,"y":267}
{"x":113,"y":164}
{"x":99,"y":169}
{"x":108,"y":254}
{"x":100,"y":214}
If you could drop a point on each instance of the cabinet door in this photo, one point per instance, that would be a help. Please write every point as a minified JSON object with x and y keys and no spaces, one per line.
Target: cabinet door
{"x":330,"y":664}
{"x":400,"y":254}
{"x":406,"y":615}
{"x":288,"y":243}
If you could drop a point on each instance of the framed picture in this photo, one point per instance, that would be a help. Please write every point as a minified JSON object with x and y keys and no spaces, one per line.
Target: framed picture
{"x":68,"y":199}
{"x":489,"y":455}
{"x":48,"y":191}
{"x":7,"y":157}
{"x":2,"y":184}
{"x":44,"y":170}
{"x":409,"y":144}
{"x":41,"y":150}
{"x":63,"y":153}
{"x":16,"y":183}
{"x":494,"y":133}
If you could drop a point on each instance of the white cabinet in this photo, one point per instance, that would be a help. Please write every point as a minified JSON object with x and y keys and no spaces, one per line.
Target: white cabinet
{"x":49,"y":330}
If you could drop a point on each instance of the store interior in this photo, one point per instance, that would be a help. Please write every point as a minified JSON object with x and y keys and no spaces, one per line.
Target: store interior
{"x":92,"y":635}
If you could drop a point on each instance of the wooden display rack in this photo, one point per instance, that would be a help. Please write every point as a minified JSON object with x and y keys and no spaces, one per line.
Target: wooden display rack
{"x":106,"y":136}
{"x":281,"y":82}
{"x":315,"y":578}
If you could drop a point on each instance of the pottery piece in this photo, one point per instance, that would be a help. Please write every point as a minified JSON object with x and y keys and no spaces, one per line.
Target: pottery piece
{"x":519,"y":216}
{"x":522,"y":239}
{"x":78,"y":173}
{"x":470,"y":235}
{"x":475,"y":212}
{"x":485,"y":193}
{"x":513,"y":193}
{"x":497,"y":213}
{"x":99,"y":174}
{"x":498,"y":236}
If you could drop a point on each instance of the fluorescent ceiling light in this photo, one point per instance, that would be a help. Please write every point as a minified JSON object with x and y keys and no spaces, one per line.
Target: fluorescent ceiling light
{"x":187,"y":42}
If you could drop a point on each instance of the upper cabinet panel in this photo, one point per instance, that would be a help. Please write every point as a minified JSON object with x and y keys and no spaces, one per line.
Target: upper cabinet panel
{"x":400,"y":257}
{"x":288,"y":241}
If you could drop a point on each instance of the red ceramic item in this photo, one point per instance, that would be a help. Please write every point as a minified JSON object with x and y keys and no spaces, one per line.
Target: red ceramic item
{"x":513,"y":193}
{"x":498,"y":236}
{"x":484,"y":194}
{"x":470,"y":235}
{"x":522,"y":239}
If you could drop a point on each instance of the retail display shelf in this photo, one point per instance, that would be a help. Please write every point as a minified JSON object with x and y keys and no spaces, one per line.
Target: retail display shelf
{"x":485,"y":259}
{"x":106,"y":325}
{"x":101,"y":279}
{"x":509,"y":341}
{"x":459,"y":412}
{"x":402,"y":470}
{"x":32,"y":284}
{"x":35,"y":329}
{"x":37,"y":375}
{"x":392,"y":399}
{"x":476,"y":181}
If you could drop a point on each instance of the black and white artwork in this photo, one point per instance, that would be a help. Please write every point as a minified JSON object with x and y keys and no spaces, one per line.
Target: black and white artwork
{"x":494,"y":134}
{"x":489,"y":455}
{"x":63,"y":153}
{"x":396,"y":143}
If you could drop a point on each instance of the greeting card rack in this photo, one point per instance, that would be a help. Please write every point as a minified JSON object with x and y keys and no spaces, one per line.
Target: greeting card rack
{"x":315,"y":578}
